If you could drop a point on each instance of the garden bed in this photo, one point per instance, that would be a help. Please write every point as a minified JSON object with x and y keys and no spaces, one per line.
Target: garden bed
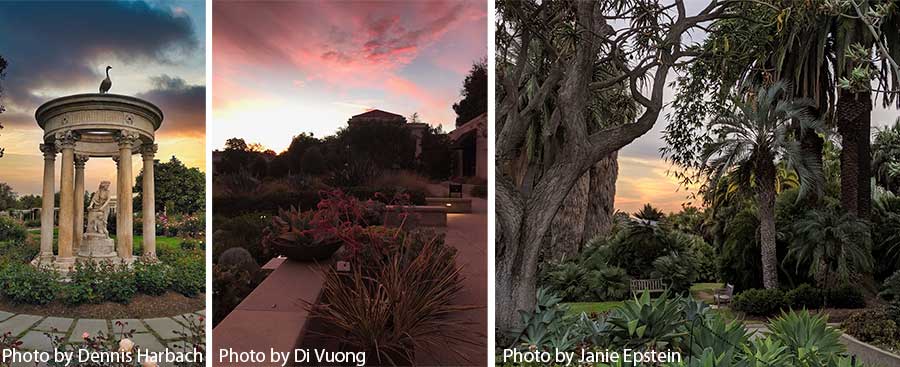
{"x":869,"y":353}
{"x":141,"y":306}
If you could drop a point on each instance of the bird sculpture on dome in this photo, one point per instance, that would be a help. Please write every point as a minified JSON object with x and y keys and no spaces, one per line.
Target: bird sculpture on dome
{"x":106,"y":83}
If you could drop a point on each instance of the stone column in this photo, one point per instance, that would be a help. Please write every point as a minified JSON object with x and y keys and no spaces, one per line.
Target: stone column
{"x":47,"y":214}
{"x":125,"y":221}
{"x":66,"y":143}
{"x":80,"y":160}
{"x":148,"y":151}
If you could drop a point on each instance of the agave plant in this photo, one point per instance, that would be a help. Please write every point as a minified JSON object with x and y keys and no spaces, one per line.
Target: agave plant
{"x":546,"y":326}
{"x":649,"y":324}
{"x":808,"y":339}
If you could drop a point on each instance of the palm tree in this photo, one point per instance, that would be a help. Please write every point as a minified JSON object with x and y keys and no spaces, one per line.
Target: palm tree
{"x":832,"y":244}
{"x":750,"y":141}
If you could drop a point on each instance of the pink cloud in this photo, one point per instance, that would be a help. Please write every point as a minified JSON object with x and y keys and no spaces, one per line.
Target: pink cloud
{"x":340,"y":45}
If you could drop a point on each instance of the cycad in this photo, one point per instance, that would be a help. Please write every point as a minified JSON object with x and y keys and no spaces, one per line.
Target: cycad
{"x":832,"y":245}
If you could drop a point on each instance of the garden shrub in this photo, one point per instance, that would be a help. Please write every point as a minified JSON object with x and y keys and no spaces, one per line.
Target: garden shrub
{"x":846,"y":296}
{"x":873,"y":325}
{"x":244,"y":231}
{"x":610,"y":283}
{"x":890,"y":290}
{"x":151,"y":278}
{"x":805,"y":296}
{"x":85,"y":284}
{"x":191,"y":244}
{"x":676,"y":271}
{"x":703,"y":257}
{"x":230,"y":286}
{"x":760,"y":302}
{"x":11,"y":230}
{"x":568,"y":281}
{"x":739,"y":260}
{"x":24,"y":283}
{"x":18,"y":251}
{"x":118,"y":283}
{"x":187,"y":275}
{"x":636,"y":246}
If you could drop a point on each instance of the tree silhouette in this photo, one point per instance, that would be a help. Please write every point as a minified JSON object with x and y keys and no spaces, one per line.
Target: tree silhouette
{"x":474,"y":93}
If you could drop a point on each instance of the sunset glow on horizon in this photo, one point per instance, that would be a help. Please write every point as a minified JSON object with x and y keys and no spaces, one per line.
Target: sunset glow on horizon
{"x":281,"y":69}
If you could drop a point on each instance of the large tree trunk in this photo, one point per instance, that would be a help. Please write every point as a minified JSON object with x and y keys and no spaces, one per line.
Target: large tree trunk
{"x":853,"y":115}
{"x":765,"y":185}
{"x":524,"y":213}
{"x":567,"y":232}
{"x":602,"y":195}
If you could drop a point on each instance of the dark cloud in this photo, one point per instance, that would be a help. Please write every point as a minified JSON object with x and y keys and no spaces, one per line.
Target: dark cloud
{"x":184,"y":105}
{"x":58,"y":44}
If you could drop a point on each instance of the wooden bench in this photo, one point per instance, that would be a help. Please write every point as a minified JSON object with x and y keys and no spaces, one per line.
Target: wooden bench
{"x":724,"y":295}
{"x":650,"y":285}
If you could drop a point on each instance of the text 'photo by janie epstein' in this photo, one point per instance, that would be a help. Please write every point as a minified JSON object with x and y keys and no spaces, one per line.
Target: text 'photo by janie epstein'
{"x":102,"y":184}
{"x":350,"y":183}
{"x":697,"y":183}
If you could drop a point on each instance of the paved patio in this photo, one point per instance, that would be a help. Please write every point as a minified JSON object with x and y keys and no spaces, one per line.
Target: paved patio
{"x":154,"y":334}
{"x":468,"y":233}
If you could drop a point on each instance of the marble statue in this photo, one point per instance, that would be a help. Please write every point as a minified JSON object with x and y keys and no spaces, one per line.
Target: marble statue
{"x":98,"y":210}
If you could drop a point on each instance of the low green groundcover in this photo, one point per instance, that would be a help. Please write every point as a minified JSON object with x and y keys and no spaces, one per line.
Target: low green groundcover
{"x":181,"y":269}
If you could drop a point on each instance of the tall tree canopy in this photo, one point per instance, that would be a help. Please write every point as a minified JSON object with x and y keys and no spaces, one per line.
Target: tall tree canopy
{"x":830,"y":52}
{"x":177,"y":187}
{"x":474,"y":93}
{"x":553,"y":61}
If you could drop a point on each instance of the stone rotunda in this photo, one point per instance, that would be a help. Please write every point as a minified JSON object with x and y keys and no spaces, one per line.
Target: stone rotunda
{"x":85,"y":126}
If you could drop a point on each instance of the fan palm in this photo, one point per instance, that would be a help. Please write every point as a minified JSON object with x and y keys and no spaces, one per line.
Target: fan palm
{"x":751,"y":139}
{"x":832,"y":244}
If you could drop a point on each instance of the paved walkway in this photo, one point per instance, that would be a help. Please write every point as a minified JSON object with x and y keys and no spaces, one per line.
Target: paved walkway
{"x":154,"y":334}
{"x":468,"y":233}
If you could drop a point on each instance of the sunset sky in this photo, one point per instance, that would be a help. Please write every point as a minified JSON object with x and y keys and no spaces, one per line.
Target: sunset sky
{"x":156,"y":49}
{"x":285,"y":68}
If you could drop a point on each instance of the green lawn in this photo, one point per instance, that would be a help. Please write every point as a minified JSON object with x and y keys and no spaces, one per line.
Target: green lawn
{"x":161,"y":241}
{"x":707,"y":288}
{"x":576,"y":308}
